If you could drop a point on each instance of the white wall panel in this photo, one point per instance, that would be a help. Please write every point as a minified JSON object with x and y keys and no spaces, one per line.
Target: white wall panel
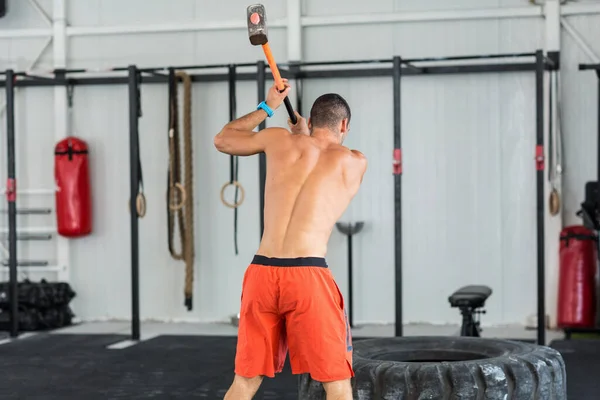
{"x":21,"y":15}
{"x":468,"y":140}
{"x":115,"y":12}
{"x":166,"y":49}
{"x":337,"y":7}
{"x":423,"y":39}
{"x":418,"y":5}
{"x":20,"y":54}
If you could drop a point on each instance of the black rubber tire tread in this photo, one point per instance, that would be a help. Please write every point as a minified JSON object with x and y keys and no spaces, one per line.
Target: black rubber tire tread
{"x":504,"y":370}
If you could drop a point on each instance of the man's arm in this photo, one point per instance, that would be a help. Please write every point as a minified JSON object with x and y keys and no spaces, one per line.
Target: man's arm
{"x":238,"y":138}
{"x":301,"y":127}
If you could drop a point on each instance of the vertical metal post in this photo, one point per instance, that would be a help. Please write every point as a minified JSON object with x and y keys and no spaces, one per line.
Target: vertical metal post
{"x":262,"y":159}
{"x":598,"y":178}
{"x":11,"y":198}
{"x":598,"y":127}
{"x":350,"y":284}
{"x":134,"y":153}
{"x":397,"y":75}
{"x":540,"y":167}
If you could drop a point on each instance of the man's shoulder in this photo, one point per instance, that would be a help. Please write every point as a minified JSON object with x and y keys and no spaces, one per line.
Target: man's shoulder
{"x":345,"y":152}
{"x":274,"y":137}
{"x":275,"y":131}
{"x":359,"y":155}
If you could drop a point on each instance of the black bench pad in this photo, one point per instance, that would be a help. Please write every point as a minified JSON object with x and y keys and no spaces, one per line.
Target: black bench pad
{"x":473,"y":296}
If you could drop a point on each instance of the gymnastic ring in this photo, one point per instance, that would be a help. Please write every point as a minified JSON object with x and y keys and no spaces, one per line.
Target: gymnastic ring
{"x":140,"y":205}
{"x":242,"y":194}
{"x":554,"y":202}
{"x":140,"y":202}
{"x":179,"y":206}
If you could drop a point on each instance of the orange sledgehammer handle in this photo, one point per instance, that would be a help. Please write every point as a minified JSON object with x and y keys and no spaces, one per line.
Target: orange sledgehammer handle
{"x":278,"y":81}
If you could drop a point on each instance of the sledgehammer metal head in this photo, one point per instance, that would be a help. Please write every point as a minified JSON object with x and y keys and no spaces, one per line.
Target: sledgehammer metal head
{"x":257,"y":32}
{"x":257,"y":24}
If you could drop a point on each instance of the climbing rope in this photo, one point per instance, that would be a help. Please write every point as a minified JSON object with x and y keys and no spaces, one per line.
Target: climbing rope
{"x":180,"y":195}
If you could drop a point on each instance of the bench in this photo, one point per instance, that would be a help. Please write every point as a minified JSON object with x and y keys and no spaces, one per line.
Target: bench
{"x":469,"y":300}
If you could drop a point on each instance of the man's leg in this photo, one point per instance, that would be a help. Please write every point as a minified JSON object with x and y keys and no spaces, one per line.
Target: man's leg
{"x":261,"y":343}
{"x":244,"y":388}
{"x":338,"y":390}
{"x":318,"y":332}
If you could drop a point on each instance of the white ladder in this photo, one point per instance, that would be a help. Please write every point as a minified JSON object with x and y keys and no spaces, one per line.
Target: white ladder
{"x":28,"y":233}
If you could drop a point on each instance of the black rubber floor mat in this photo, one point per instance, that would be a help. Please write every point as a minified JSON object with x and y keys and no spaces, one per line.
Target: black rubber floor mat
{"x":60,"y":366}
{"x":582,"y":360}
{"x":206,"y":366}
{"x":43,"y":344}
{"x":167,"y":367}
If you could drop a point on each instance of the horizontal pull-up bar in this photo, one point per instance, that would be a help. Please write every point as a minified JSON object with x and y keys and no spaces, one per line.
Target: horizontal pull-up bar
{"x":409,"y":70}
{"x":583,"y":67}
{"x":471,"y":57}
{"x":339,"y":62}
{"x":414,"y":70}
{"x":156,"y":70}
{"x":59,"y":75}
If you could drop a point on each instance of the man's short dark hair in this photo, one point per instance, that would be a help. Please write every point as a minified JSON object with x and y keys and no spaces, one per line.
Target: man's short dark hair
{"x":328,"y":111}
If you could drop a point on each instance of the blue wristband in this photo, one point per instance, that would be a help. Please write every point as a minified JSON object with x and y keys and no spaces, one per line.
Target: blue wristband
{"x":263,"y":106}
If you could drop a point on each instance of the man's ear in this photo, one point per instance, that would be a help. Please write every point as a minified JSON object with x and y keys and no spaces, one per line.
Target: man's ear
{"x":309,"y":123}
{"x":344,"y":126}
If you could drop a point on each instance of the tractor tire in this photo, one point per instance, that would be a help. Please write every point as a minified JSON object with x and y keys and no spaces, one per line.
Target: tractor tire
{"x":418,"y":368}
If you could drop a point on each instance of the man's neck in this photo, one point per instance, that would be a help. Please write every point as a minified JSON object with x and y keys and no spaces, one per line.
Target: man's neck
{"x":325,"y":135}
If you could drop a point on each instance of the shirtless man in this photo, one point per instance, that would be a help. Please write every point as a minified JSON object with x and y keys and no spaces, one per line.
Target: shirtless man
{"x":289,"y":296}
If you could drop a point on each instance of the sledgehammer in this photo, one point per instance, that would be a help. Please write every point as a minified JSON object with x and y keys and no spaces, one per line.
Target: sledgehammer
{"x":257,"y":31}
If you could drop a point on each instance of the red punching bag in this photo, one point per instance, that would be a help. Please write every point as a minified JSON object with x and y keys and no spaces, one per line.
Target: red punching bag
{"x":73,"y":192}
{"x":577,"y":278}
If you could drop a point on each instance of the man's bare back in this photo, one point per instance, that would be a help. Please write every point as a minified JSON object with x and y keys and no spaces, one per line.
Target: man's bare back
{"x":310,"y":182}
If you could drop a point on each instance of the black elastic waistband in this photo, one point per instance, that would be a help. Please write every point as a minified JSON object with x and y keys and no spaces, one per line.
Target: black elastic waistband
{"x":290,"y":262}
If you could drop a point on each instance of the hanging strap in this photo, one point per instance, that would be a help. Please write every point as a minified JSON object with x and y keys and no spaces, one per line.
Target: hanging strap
{"x":175,"y":192}
{"x":554,"y":144}
{"x":233,"y":164}
{"x":140,"y":200}
{"x":70,"y":90}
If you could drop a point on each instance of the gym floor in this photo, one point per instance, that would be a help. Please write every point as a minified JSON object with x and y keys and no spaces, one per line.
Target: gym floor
{"x":183,"y":360}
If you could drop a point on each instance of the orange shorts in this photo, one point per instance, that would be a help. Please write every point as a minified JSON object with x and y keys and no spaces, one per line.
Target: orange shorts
{"x":295,"y":304}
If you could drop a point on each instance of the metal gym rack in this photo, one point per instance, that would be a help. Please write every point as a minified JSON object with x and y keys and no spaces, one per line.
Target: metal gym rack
{"x":396,"y":68}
